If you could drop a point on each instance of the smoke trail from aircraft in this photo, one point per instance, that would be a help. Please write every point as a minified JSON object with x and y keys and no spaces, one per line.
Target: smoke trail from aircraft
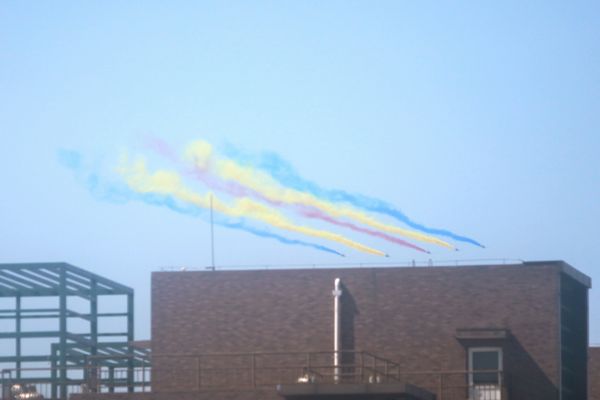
{"x":170,"y":183}
{"x":286,"y":175}
{"x":240,"y":224}
{"x":258,"y":187}
{"x":238,"y":190}
{"x":118,"y":192}
{"x":319,"y":215}
{"x":228,"y":175}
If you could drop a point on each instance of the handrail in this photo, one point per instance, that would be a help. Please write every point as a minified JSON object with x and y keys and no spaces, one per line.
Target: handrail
{"x":249,"y":371}
{"x":261,"y":353}
{"x":351,"y":265}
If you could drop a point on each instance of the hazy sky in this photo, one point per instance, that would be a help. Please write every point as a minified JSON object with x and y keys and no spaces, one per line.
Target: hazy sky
{"x":482,"y":118}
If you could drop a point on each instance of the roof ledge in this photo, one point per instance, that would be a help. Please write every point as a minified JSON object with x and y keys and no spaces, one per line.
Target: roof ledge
{"x":482,"y":334}
{"x":566,"y":269}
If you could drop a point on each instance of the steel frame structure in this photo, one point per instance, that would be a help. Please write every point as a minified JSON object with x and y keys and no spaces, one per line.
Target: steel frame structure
{"x":66,"y":349}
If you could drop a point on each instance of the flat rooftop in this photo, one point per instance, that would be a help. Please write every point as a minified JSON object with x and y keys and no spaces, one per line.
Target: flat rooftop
{"x":429,"y":265}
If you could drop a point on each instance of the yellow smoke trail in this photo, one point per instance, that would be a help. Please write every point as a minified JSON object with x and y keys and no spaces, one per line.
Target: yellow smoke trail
{"x":170,"y":183}
{"x":201,"y":154}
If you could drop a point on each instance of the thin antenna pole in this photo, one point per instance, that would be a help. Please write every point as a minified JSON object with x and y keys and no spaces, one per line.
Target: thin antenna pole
{"x":212,"y":235}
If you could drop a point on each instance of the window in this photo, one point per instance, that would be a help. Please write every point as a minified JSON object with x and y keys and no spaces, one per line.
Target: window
{"x":485,"y":373}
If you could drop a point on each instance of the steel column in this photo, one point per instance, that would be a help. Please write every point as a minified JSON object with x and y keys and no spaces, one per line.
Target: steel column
{"x":62,"y":362}
{"x":18,"y":334}
{"x":130,"y":361}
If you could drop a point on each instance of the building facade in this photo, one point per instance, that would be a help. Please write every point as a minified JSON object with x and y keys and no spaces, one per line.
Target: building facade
{"x":594,"y":373}
{"x":489,"y":332}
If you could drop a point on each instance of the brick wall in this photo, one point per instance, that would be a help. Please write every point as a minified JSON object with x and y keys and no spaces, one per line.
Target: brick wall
{"x":409,"y":315}
{"x":594,"y":373}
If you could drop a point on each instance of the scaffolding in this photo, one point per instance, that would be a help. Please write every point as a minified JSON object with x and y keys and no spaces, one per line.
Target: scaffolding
{"x":70,"y":354}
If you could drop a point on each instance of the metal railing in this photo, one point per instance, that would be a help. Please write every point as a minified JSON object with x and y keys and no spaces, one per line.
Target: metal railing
{"x":97,"y":379}
{"x":189,"y":373}
{"x":212,"y":372}
{"x":252,"y":370}
{"x":406,"y":263}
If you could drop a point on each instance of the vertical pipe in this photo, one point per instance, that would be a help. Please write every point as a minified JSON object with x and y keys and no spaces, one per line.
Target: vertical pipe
{"x":90,"y":372}
{"x":337,"y":293}
{"x":53,"y":372}
{"x":94,"y":317}
{"x":18,"y":334}
{"x":62,"y":348}
{"x":111,"y":379}
{"x":143,"y":375}
{"x":130,"y":350}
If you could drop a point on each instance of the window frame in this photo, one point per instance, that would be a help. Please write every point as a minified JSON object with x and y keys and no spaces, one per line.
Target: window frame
{"x":496,"y":349}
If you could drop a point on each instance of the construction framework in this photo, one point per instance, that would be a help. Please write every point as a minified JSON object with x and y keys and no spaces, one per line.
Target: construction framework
{"x":70,"y":354}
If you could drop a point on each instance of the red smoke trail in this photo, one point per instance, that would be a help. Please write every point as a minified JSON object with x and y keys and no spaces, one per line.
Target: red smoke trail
{"x":319,"y":215}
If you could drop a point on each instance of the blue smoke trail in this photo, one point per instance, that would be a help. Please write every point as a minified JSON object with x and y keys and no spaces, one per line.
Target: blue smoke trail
{"x":120,"y":193}
{"x":284,"y":173}
{"x":262,"y":233}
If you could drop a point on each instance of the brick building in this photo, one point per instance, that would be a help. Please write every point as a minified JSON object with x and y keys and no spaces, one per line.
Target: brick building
{"x":490,"y":332}
{"x":594,"y":373}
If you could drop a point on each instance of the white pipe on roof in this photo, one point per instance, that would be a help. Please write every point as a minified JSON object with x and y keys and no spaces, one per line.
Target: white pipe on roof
{"x":337,"y":294}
